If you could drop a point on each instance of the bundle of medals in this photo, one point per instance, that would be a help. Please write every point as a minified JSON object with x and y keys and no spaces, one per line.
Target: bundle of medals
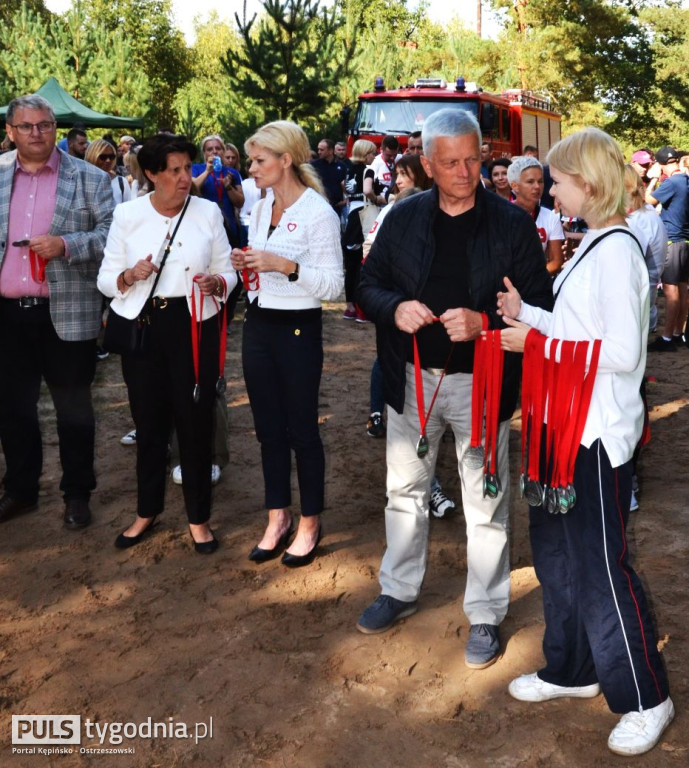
{"x":196,"y":327}
{"x":485,"y":397}
{"x":556,"y":395}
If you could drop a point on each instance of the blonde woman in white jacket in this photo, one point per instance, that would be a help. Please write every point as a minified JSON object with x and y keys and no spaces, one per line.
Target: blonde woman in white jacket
{"x":294,"y":262}
{"x":174,"y":381}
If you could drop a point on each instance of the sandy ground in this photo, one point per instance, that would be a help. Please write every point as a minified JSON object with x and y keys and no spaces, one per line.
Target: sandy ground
{"x":272,"y":655}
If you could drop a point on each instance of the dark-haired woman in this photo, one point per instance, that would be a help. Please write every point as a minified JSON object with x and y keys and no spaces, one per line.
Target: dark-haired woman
{"x":174,"y":381}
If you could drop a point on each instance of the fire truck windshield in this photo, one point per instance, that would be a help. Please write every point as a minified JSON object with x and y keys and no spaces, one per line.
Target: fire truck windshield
{"x":403,"y":116}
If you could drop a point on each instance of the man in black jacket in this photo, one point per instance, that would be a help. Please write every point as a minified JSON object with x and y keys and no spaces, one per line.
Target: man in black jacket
{"x":433,"y":273}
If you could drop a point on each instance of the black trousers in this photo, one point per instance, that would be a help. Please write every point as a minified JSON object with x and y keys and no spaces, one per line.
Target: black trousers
{"x":598,"y":626}
{"x":161,"y":386}
{"x":282,"y":356}
{"x":31,"y":350}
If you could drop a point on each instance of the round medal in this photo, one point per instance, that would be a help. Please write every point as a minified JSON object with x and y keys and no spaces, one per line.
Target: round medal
{"x":533,"y":493}
{"x":197,"y":393}
{"x":220,"y":385}
{"x":572,"y":495}
{"x":564,"y":500}
{"x":422,"y":447}
{"x":491,"y":486}
{"x":552,"y":501}
{"x":474,"y":456}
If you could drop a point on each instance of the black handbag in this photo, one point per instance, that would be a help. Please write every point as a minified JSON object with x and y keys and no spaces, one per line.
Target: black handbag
{"x":129,"y":337}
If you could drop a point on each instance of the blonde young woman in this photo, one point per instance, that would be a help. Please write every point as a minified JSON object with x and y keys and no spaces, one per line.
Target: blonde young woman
{"x":599,"y":634}
{"x":294,"y":262}
{"x":102,"y":154}
{"x":649,"y":229}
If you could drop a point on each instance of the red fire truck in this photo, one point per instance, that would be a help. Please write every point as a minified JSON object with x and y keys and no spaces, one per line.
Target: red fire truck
{"x":509,"y":121}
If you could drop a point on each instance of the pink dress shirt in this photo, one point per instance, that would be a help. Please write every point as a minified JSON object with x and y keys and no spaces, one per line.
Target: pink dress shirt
{"x":31,"y":213}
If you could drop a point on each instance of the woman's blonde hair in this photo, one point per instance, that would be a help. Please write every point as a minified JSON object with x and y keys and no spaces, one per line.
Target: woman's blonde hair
{"x":230,"y":145}
{"x":635,"y":189}
{"x":284,"y":137}
{"x":361,"y":148}
{"x":95,"y":148}
{"x":595,"y":160}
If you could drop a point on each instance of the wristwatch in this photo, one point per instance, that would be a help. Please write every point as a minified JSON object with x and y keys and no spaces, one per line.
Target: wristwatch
{"x":294,"y":276}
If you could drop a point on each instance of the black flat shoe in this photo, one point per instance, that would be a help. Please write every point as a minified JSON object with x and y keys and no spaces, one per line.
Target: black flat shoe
{"x":205,"y":547}
{"x":125,"y":542}
{"x":258,"y":555}
{"x":297,"y":561}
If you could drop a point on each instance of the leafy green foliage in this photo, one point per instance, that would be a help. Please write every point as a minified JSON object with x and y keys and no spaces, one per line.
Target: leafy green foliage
{"x":89,"y":61}
{"x":290,"y":60}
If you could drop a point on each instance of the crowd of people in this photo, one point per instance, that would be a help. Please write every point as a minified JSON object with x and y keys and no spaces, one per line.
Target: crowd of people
{"x":444,"y":249}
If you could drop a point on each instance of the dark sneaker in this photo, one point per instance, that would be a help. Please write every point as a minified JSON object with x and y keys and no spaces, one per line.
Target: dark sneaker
{"x":483,"y":647}
{"x":440,"y":504}
{"x":383,"y":613}
{"x":375,"y":426}
{"x":660,"y":345}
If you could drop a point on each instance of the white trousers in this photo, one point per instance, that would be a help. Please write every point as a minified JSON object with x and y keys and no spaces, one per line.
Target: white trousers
{"x":403,"y":567}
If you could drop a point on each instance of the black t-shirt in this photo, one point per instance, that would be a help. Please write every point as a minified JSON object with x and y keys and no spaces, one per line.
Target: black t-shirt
{"x":447,"y":287}
{"x":332,"y":175}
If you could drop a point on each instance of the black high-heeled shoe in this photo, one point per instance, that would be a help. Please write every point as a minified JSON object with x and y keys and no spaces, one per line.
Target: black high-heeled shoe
{"x":205,"y":547}
{"x":297,"y":561}
{"x":125,"y":542}
{"x":258,"y":555}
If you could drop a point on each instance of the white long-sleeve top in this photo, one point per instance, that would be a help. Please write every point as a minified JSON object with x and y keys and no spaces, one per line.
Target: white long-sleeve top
{"x":309,"y":234}
{"x":651,"y":233}
{"x":200,"y":247}
{"x":605,"y":297}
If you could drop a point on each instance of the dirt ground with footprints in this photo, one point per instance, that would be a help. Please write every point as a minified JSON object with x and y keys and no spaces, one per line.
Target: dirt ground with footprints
{"x":272,"y":654}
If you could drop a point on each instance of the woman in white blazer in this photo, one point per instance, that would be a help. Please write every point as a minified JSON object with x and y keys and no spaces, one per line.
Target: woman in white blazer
{"x":294,"y":262}
{"x":174,"y":381}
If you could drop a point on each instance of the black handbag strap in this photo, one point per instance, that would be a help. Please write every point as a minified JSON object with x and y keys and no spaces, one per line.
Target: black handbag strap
{"x":591,"y":246}
{"x":166,"y":252}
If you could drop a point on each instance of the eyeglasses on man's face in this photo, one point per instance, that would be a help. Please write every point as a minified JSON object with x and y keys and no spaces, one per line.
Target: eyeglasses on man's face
{"x":25,"y":129}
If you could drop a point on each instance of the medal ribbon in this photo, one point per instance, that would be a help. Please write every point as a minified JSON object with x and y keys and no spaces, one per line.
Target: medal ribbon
{"x":37,"y":266}
{"x":418,"y":380}
{"x":584,"y":403}
{"x":550,"y":376}
{"x":495,"y":358}
{"x":478,"y":388}
{"x":222,"y":327}
{"x":562,"y":411}
{"x":250,"y":279}
{"x":196,"y":328}
{"x":532,"y":402}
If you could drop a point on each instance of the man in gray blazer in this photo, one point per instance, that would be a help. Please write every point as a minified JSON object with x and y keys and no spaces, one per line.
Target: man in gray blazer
{"x":55,"y":212}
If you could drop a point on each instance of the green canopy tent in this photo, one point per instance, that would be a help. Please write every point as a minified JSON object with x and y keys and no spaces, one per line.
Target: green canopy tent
{"x":69,"y":111}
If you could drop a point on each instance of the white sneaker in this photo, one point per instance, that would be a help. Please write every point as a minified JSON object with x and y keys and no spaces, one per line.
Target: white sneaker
{"x":637,"y":732}
{"x":129,"y":438}
{"x":532,"y":688}
{"x":440,"y":504}
{"x":634,"y":504}
{"x":177,"y":474}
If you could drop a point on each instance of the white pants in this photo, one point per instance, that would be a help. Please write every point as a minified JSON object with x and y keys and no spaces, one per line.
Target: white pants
{"x":403,"y":568}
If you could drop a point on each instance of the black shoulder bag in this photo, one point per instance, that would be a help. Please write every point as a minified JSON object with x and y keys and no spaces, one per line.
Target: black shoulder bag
{"x":129,"y":337}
